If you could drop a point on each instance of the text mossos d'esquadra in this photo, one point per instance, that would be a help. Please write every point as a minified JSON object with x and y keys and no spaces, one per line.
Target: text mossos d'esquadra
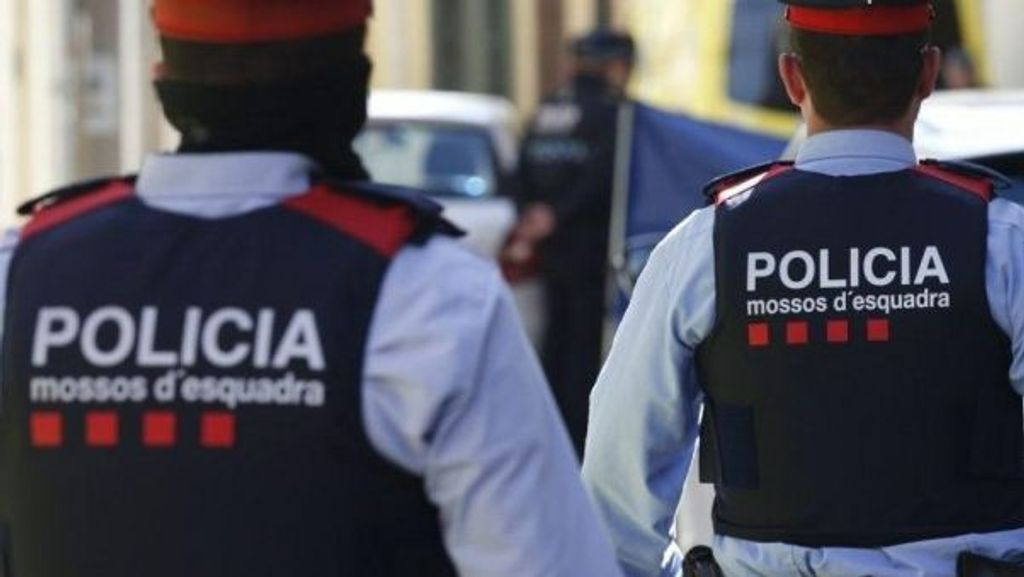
{"x":910,"y":278}
{"x":256,"y":358}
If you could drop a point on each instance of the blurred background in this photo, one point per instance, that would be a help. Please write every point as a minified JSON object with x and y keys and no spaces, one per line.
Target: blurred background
{"x":75,"y":97}
{"x":76,"y":102}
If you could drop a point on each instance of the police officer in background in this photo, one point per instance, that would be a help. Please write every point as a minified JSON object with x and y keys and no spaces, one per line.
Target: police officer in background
{"x":567,"y":168}
{"x":250,"y":361}
{"x":853,"y":328}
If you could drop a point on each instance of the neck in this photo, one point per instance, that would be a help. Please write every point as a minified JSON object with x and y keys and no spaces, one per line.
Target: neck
{"x":335,"y":157}
{"x":902,"y":128}
{"x":318,"y":118}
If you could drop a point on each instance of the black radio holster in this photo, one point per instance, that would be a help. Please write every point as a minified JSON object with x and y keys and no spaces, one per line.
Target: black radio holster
{"x":700,"y":562}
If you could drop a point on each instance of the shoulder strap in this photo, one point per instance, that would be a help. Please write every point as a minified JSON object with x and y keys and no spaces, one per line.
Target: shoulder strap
{"x":70,"y":192}
{"x":64,"y":204}
{"x":427,"y":213}
{"x":974,"y":178}
{"x":386,"y":218}
{"x":725,"y":187}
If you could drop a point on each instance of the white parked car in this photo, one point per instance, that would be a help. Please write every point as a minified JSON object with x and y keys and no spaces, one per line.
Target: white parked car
{"x":971,"y":124}
{"x":462,"y":149}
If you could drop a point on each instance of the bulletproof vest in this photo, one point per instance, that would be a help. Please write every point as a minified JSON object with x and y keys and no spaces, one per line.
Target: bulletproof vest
{"x":182,"y":396}
{"x":857,"y":388}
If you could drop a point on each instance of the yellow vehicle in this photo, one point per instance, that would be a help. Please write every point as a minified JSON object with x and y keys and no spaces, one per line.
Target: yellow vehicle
{"x":715,"y":59}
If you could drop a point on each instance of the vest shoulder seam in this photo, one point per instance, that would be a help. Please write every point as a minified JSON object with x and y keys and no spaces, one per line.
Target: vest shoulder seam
{"x":746,"y":181}
{"x":64,"y":205}
{"x":975,"y":179}
{"x":383,"y":227}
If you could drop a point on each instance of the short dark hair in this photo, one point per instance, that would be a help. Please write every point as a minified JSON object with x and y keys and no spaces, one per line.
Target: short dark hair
{"x":261,"y":63}
{"x":860,"y":80}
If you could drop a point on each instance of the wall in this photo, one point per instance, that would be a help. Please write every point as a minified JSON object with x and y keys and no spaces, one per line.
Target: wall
{"x":9,"y":125}
{"x":400,"y":44}
{"x":1004,"y":20}
{"x":43,"y":107}
{"x":66,"y":115}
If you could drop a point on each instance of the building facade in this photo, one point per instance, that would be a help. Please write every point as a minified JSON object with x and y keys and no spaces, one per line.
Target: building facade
{"x":76,"y":99}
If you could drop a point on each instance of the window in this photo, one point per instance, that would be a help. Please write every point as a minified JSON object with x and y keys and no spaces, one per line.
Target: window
{"x":472,"y":43}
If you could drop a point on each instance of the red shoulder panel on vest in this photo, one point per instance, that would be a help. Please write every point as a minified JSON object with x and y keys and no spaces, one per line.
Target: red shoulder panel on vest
{"x":960,"y":176}
{"x":385,"y":229}
{"x":742,"y":182}
{"x":60,"y":211}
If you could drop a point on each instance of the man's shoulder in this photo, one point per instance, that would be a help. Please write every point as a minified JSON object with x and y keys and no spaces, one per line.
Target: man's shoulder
{"x":383,"y":217}
{"x":1006,"y":214}
{"x":730,"y":186}
{"x":697,"y":227}
{"x":9,"y":239}
{"x":556,"y":115}
{"x":70,"y":202}
{"x":442,"y":265}
{"x":976,"y":179}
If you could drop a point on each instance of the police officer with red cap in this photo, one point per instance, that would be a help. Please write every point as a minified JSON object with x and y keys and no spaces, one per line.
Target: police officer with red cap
{"x":248,"y":360}
{"x":851,"y":329}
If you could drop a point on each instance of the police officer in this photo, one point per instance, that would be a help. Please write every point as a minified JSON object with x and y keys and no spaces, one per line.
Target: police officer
{"x":250,"y":361}
{"x":852,"y":327}
{"x":566,"y":178}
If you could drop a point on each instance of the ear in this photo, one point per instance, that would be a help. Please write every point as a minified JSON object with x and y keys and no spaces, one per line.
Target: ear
{"x":793,"y":79}
{"x":932,"y":67}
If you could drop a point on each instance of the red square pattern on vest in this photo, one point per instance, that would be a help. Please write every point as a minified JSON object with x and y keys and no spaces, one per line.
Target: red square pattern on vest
{"x":878,"y":330}
{"x":101,"y":428}
{"x":217,"y":430}
{"x":758,"y":334}
{"x":159,"y":429}
{"x":46,"y":429}
{"x":837,"y":331}
{"x":797,"y":333}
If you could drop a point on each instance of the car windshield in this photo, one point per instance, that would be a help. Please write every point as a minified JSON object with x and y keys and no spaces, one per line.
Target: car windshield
{"x":443,"y":160}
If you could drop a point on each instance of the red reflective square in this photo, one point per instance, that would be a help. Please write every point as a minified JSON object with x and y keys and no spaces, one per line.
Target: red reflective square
{"x":159,"y":429}
{"x":101,"y":429}
{"x":217,"y":430}
{"x":878,"y":330}
{"x":797,"y":333}
{"x":837,"y":331}
{"x":46,"y":429}
{"x":758,"y":334}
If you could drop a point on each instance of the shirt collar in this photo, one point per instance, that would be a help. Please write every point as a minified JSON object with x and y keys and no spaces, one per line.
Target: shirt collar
{"x":273,"y":175}
{"x":855,"y":152}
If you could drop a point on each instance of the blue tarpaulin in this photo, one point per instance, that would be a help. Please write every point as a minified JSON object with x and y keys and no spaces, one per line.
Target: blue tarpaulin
{"x":672,"y":157}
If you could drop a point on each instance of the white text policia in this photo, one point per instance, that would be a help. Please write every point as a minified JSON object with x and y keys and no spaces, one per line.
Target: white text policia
{"x":879,"y":267}
{"x":223,"y":338}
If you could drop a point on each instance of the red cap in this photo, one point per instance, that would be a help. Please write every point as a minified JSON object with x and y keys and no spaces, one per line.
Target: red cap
{"x":870,"y":20}
{"x":250,"y":21}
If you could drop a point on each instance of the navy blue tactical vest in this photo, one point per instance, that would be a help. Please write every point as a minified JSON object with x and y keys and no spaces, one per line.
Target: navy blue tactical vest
{"x":182,"y":396}
{"x":857,"y":386}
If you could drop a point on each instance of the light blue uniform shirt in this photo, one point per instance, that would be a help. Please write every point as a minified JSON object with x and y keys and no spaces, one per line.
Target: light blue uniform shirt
{"x":645,"y":407}
{"x":452,"y":391}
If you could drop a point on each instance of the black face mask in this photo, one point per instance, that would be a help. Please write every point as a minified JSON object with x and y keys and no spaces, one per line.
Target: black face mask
{"x":318,"y":117}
